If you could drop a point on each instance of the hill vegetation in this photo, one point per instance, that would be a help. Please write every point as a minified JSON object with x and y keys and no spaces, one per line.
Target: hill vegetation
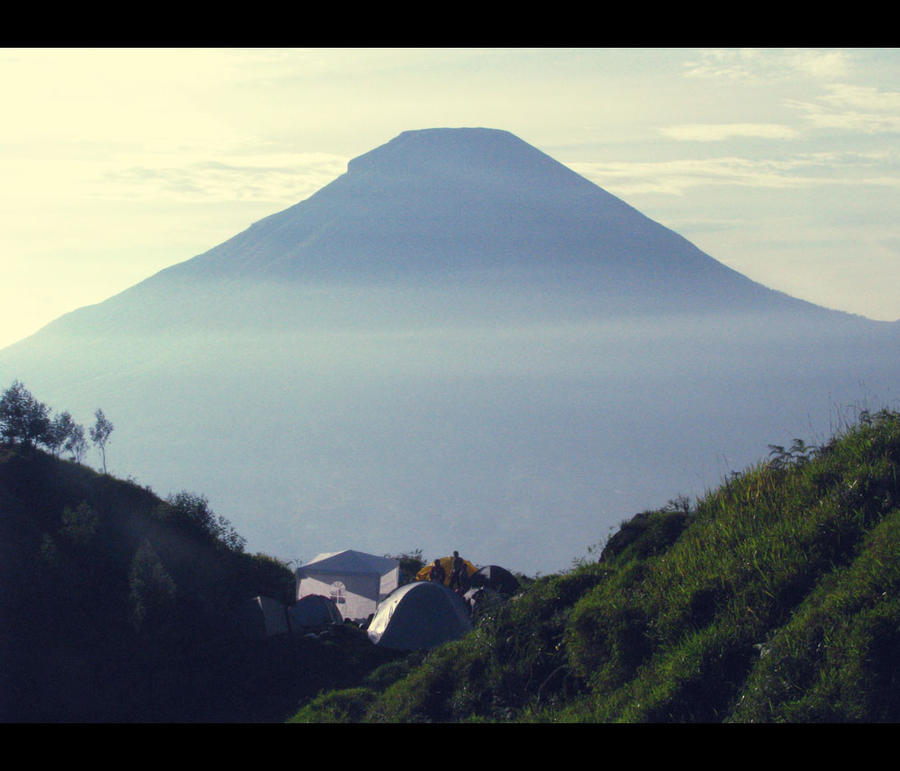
{"x":775,"y":598}
{"x":118,"y":606}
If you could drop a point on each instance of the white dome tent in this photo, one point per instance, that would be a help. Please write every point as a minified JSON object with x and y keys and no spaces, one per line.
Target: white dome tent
{"x":420,"y":616}
{"x":355,"y":581}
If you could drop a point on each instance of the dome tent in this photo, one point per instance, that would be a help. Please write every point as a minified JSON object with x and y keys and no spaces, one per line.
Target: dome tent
{"x":419,"y":616}
{"x":313,"y":610}
{"x":262,"y":617}
{"x":355,"y":581}
{"x":496,"y":578}
{"x":481,"y":599}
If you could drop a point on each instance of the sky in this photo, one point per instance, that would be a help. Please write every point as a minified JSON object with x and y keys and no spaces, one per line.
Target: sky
{"x":116,"y":163}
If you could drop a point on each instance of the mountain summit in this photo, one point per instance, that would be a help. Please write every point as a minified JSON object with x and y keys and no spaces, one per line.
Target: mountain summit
{"x":476,"y":205}
{"x":459,"y":344}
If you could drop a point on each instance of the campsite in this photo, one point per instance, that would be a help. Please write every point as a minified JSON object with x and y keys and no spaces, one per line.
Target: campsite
{"x":706,"y":611}
{"x":364,"y":591}
{"x":161,"y":615}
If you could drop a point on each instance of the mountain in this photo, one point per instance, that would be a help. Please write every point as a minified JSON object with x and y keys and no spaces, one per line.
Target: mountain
{"x":457,"y":344}
{"x":468,"y":204}
{"x":458,"y":206}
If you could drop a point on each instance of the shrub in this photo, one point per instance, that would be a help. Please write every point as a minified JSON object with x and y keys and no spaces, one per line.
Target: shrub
{"x":344,"y":706}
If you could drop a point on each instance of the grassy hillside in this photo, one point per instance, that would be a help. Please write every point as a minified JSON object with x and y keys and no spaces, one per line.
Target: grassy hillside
{"x":774,"y":598}
{"x":117,"y":606}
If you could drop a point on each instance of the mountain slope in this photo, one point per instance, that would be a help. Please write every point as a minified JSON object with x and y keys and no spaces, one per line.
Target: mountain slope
{"x":461,"y":340}
{"x":775,"y":599}
{"x":451,"y":203}
{"x":443,"y":208}
{"x":112,"y":599}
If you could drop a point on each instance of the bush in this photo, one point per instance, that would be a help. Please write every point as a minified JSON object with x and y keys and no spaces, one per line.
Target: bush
{"x":345,"y":706}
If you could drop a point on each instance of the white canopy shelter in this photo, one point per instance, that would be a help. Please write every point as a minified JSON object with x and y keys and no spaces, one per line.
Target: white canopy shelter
{"x":356,"y":581}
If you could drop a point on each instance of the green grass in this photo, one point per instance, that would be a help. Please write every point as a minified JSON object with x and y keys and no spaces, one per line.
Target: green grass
{"x":773,"y":598}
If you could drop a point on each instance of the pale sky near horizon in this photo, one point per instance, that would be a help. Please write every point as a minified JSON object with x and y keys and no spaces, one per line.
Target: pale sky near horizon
{"x":116,"y":163}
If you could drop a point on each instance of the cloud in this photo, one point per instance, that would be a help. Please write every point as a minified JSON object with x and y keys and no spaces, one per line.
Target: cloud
{"x":677,"y":177}
{"x":864,"y":109}
{"x":759,"y":65}
{"x":277,"y":178}
{"x":842,"y":104}
{"x":714,"y":132}
{"x":821,"y":64}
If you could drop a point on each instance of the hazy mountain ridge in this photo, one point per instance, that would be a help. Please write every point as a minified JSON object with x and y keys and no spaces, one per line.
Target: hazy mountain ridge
{"x":468,"y":221}
{"x":460,"y":338}
{"x":467,"y":206}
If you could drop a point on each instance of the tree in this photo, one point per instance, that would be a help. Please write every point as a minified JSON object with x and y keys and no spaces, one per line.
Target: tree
{"x":79,"y":525}
{"x":192,"y":513}
{"x":62,"y":434}
{"x":100,"y":434}
{"x":23,"y":419}
{"x":410,"y":564}
{"x":152,"y":593}
{"x":76,"y":443}
{"x":55,"y":436}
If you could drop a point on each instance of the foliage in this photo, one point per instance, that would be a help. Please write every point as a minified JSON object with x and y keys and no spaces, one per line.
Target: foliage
{"x":152,"y":592}
{"x":343,"y":706}
{"x":410,"y":564}
{"x":648,"y":533}
{"x":836,"y":657}
{"x":79,"y":525}
{"x":25,"y":420}
{"x":22,"y":417}
{"x":113,"y":613}
{"x":191,"y":513}
{"x":773,"y":598}
{"x":272,"y":576}
{"x":100,"y":433}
